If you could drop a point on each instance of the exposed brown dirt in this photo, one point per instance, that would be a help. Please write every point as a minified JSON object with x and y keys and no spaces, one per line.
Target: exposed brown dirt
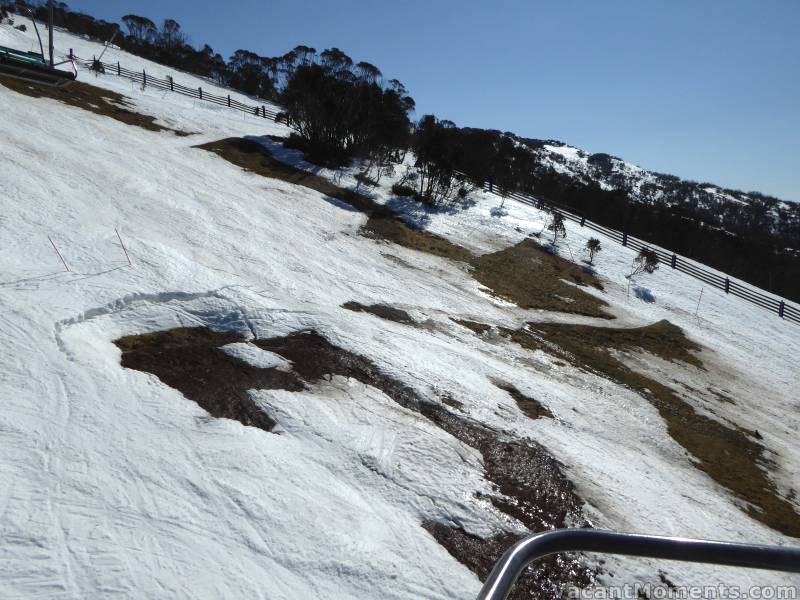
{"x":393,"y":229}
{"x":190,"y":360}
{"x":532,"y":278}
{"x":531,"y":407}
{"x":730,"y":455}
{"x":479,"y":328}
{"x":531,"y":485}
{"x":251,"y":156}
{"x":91,"y":98}
{"x":384,"y":311}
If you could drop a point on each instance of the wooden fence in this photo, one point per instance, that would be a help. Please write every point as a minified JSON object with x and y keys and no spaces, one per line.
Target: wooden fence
{"x":170,"y":85}
{"x":775,"y":304}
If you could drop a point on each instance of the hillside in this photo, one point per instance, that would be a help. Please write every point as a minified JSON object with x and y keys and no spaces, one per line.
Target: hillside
{"x":306,"y":387}
{"x":649,"y":187}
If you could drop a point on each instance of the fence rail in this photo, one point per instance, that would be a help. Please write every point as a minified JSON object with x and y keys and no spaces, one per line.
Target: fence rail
{"x":170,"y":85}
{"x":751,"y":294}
{"x":741,"y":290}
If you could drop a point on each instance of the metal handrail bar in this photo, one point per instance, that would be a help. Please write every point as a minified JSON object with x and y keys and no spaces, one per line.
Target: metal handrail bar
{"x":511,"y":565}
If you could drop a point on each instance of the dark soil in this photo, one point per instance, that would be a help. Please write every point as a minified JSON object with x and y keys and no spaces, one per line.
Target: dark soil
{"x":531,"y":485}
{"x":190,"y":360}
{"x":731,"y":456}
{"x":531,"y":277}
{"x":91,"y":98}
{"x":529,"y":406}
{"x":479,"y":328}
{"x":384,"y":311}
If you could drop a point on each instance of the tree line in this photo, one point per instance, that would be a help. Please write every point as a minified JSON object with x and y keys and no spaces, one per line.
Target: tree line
{"x":341,"y":110}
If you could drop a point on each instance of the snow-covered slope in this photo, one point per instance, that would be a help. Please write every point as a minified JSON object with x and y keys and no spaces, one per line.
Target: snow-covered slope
{"x":113,"y":485}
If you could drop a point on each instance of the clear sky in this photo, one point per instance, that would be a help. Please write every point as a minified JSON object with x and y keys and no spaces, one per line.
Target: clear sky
{"x":704,"y":89}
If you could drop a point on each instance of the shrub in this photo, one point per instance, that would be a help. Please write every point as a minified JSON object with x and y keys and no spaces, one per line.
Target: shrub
{"x":365,"y":179}
{"x":645,"y":262}
{"x":557,"y":226}
{"x":593,"y":247}
{"x":399,"y":189}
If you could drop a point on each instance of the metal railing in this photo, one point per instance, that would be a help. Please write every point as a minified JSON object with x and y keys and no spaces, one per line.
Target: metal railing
{"x":501,"y":580}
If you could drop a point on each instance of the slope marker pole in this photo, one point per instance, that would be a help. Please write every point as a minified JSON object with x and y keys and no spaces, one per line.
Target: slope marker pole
{"x":697,"y":310}
{"x":63,"y":262}
{"x":124,"y":249}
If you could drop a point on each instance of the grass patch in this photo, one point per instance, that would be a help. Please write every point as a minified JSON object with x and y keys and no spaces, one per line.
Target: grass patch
{"x":251,"y":156}
{"x":91,"y":98}
{"x":729,"y":455}
{"x":530,"y":277}
{"x":390,"y":228}
{"x":384,"y":311}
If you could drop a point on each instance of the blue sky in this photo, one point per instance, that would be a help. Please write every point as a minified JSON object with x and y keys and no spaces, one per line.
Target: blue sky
{"x":707,"y":90}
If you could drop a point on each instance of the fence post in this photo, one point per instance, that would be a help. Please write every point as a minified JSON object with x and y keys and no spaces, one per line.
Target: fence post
{"x":727,"y":285}
{"x":229,"y":100}
{"x":71,"y":56}
{"x":263,"y":111}
{"x":624,"y":238}
{"x":781,"y":308}
{"x":583,"y":220}
{"x":144,"y":78}
{"x":171,"y":84}
{"x":119,"y":70}
{"x":200,"y":89}
{"x":674,"y":261}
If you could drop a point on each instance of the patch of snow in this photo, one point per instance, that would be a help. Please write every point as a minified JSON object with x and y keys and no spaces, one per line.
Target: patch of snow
{"x":256,"y":357}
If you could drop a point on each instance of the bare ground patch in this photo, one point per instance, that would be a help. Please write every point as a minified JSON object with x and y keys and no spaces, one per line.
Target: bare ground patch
{"x":384,"y":311}
{"x":191,"y":361}
{"x":91,"y":98}
{"x":531,"y":407}
{"x":532,"y":278}
{"x":474,"y":326}
{"x":731,"y":456}
{"x":530,"y":484}
{"x":251,"y":156}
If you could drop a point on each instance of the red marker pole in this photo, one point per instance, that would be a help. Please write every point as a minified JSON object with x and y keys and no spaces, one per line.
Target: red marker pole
{"x":63,"y":262}
{"x":125,"y":250}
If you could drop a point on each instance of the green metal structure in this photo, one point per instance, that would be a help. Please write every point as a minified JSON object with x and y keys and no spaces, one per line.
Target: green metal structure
{"x":32,"y":66}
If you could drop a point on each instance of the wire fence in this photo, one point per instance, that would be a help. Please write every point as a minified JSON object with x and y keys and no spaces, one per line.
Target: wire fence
{"x":775,"y":304}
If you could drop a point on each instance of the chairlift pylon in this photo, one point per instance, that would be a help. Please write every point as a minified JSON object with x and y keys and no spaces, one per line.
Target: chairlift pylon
{"x":33,"y":67}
